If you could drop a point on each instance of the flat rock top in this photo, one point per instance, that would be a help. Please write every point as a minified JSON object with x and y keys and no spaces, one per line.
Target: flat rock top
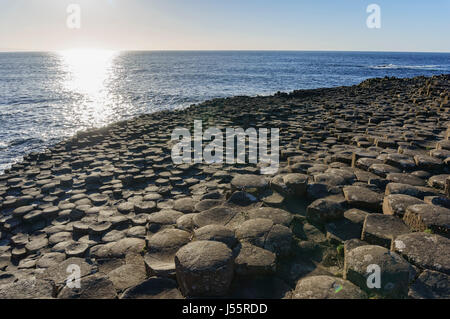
{"x":424,"y":250}
{"x":326,"y":287}
{"x":203,"y":255}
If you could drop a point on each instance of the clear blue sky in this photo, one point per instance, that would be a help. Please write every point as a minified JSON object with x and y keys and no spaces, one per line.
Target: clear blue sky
{"x":406,"y":25}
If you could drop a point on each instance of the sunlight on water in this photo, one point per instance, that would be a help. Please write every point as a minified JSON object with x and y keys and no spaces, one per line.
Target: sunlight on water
{"x":88,"y":76}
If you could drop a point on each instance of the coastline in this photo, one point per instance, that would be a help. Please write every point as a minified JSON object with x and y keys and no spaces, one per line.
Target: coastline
{"x":111,"y":201}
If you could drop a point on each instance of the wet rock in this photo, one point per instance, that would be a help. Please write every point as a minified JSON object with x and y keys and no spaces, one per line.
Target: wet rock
{"x":204,"y":268}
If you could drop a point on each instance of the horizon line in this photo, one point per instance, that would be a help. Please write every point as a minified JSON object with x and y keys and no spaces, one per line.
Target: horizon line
{"x":212,"y":50}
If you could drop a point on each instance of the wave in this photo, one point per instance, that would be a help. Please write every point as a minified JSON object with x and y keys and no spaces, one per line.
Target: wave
{"x":411,"y":67}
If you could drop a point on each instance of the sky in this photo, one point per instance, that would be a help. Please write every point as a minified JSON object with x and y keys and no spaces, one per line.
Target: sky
{"x":406,"y":25}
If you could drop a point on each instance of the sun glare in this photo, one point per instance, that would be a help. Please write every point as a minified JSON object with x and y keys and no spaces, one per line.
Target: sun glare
{"x":87,"y":73}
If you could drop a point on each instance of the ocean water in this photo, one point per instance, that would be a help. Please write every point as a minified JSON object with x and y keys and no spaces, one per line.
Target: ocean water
{"x":45,"y":97}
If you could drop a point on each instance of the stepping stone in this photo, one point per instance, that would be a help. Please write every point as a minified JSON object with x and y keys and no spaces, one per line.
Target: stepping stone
{"x":430,"y":285}
{"x":383,"y":169}
{"x":424,"y":216}
{"x":162,"y":247}
{"x":253,"y":260}
{"x":348,"y":228}
{"x":398,"y":188}
{"x":153,"y":288}
{"x":363,"y":198}
{"x":99,"y":228}
{"x":438,"y":181}
{"x":126,"y":207}
{"x":264,"y":233}
{"x":424,"y":250}
{"x":50,"y":259}
{"x":329,"y":179}
{"x":428,"y":162}
{"x":127,"y":276}
{"x":58,"y":273}
{"x":242,"y":199}
{"x":207,"y":204}
{"x":27,"y":288}
{"x":204,"y":268}
{"x":438,"y":201}
{"x":145,"y":207}
{"x":137,"y":231}
{"x":291,"y":185}
{"x":21,"y":211}
{"x":164,"y":217}
{"x":326,"y":209}
{"x":59,"y":237}
{"x":125,"y":246}
{"x":91,"y":287}
{"x":395,"y":272}
{"x":216,"y":233}
{"x":76,"y":249}
{"x":113,"y":236}
{"x":403,"y":162}
{"x":396,"y":204}
{"x":382,"y":229}
{"x":99,"y":199}
{"x":278,"y":216}
{"x":405,"y":179}
{"x":36,"y":244}
{"x":326,"y":287}
{"x":249,"y":183}
{"x":215,"y":216}
{"x":184,"y":205}
{"x":186,"y":222}
{"x":254,"y":231}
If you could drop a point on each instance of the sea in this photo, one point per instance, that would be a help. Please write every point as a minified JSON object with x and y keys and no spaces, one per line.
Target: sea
{"x":48,"y":96}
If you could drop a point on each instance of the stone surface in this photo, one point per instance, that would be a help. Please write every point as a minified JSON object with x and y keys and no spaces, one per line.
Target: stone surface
{"x":91,"y":287}
{"x":424,"y":216}
{"x":396,"y":204}
{"x":326,"y":287}
{"x":424,"y":250}
{"x":154,"y":288}
{"x":395,"y":272}
{"x":430,"y":285}
{"x":204,"y":268}
{"x":382,"y":229}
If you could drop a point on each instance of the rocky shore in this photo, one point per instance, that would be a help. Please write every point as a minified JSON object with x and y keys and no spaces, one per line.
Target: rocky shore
{"x":363,"y":183}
